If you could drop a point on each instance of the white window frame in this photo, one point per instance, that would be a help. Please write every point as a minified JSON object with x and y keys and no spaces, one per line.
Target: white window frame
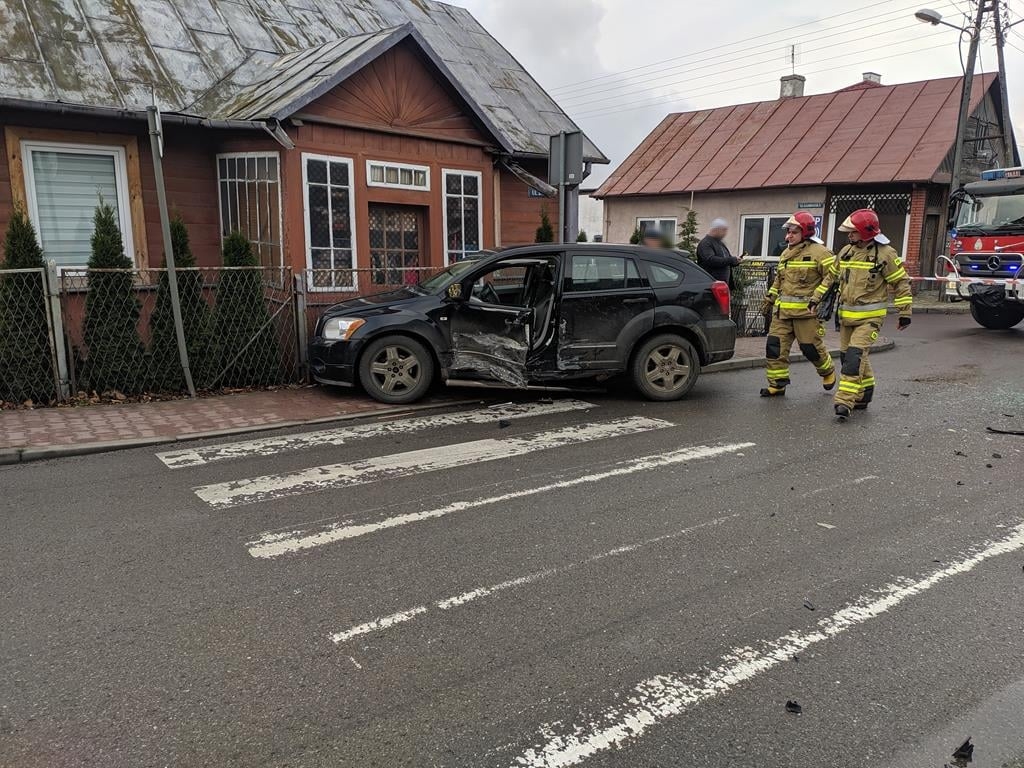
{"x":306,"y":157}
{"x":401,"y":167}
{"x":280,"y":208}
{"x":445,"y":173}
{"x":659,"y":220}
{"x":120,"y":179}
{"x":766,"y":220}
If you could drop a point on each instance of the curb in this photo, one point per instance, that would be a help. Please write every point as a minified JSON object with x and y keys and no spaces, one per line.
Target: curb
{"x":951,"y":309}
{"x":746,"y":363}
{"x":23,"y":455}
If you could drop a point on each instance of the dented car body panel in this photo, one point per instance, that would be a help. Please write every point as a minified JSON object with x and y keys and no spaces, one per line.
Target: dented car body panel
{"x":537,"y":314}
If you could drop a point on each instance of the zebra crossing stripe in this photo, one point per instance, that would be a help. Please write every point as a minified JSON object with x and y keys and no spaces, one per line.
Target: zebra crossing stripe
{"x":257,"y":489}
{"x":270,"y":446}
{"x":278,"y":543}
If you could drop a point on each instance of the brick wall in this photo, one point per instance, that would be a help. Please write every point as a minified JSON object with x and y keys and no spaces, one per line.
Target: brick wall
{"x":918,"y":203}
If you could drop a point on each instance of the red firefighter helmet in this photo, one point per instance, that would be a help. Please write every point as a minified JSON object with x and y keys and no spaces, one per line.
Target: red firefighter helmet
{"x":864,"y":222}
{"x":805,"y":221}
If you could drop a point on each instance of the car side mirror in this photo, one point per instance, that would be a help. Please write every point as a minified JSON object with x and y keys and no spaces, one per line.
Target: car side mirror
{"x":457,"y":293}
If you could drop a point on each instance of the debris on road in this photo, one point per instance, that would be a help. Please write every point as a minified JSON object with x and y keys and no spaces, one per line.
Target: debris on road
{"x":809,"y":605}
{"x":959,"y":482}
{"x":965,"y":751}
{"x":504,"y":423}
{"x":995,"y":431}
{"x":792,"y":706}
{"x":959,"y":453}
{"x":997,"y":455}
{"x":826,"y":526}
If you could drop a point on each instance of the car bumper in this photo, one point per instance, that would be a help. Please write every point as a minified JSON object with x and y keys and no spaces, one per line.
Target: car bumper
{"x":721,"y":339}
{"x":334,"y":362}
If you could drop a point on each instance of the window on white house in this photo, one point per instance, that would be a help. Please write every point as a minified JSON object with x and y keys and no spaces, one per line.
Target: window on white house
{"x":667,"y":227}
{"x":330,"y":215}
{"x":763,"y":235}
{"x":463,"y":214}
{"x":398,"y":175}
{"x":250,"y":201}
{"x":63,"y":185}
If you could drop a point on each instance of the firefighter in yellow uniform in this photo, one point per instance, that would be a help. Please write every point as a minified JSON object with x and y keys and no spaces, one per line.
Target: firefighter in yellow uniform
{"x":802,"y":279}
{"x":866,"y":269}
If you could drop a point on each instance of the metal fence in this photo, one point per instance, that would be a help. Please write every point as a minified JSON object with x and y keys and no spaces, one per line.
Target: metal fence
{"x":111,"y":332}
{"x":753,"y":281}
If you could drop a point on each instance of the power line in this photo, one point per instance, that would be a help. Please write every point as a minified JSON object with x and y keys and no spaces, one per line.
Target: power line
{"x":746,"y":67}
{"x":665,"y":102}
{"x":776,"y":33}
{"x":709,"y":61}
{"x":577,"y":101}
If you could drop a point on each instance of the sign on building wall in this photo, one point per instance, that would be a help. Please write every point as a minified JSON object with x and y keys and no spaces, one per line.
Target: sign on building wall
{"x":810,"y":206}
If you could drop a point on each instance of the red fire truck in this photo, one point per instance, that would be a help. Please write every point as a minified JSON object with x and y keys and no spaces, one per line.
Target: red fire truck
{"x":986,"y":260}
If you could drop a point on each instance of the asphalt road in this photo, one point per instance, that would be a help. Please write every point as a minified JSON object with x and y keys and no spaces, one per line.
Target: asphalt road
{"x":596,"y":581}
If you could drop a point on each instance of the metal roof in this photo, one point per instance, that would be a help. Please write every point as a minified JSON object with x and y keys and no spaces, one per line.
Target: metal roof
{"x":222,"y":59}
{"x":873,"y":135}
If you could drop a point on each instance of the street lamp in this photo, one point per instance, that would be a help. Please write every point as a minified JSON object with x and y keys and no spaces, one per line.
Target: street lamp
{"x":929,"y":16}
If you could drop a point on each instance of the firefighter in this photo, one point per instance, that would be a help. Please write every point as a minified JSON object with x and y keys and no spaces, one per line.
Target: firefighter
{"x":866,"y":269}
{"x":803,"y":276}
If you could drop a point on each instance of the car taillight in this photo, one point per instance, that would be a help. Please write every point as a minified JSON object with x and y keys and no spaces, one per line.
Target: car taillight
{"x":720,"y":291}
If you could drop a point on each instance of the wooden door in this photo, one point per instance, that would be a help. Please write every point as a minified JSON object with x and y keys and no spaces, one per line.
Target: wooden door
{"x":396,"y":244}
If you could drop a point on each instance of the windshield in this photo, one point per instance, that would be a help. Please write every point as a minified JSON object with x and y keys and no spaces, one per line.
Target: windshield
{"x":443,"y":279}
{"x":990,"y":214}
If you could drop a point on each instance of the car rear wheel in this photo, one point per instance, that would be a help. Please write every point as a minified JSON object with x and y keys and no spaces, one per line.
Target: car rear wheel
{"x":665,"y":367}
{"x":997,"y":318}
{"x":396,"y":369}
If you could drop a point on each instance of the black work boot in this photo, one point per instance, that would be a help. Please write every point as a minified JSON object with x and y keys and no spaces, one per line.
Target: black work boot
{"x":842,"y":413}
{"x":773,"y":392}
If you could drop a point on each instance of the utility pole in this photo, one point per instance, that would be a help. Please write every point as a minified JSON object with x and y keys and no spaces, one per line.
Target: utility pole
{"x":1009,"y":143}
{"x":965,"y":95}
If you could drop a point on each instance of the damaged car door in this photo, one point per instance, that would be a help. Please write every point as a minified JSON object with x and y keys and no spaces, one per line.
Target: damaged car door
{"x":491,"y":323}
{"x":606,"y":306}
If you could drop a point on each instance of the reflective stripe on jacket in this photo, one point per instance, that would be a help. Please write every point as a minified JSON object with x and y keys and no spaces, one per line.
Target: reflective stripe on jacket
{"x":866,"y":272}
{"x":803,"y":276}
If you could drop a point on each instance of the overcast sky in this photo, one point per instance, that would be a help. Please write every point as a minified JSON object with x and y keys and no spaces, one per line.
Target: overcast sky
{"x":619,"y":66}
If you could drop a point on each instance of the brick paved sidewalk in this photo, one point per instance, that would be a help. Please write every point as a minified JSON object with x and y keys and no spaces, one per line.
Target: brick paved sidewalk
{"x":28,"y":434}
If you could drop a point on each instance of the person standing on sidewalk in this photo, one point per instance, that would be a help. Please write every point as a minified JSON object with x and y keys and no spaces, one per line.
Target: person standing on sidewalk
{"x":712,"y":254}
{"x":802,"y":279}
{"x":866,"y":269}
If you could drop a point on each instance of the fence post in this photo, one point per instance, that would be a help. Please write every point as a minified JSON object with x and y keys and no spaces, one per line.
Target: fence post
{"x":301,"y":328}
{"x":55,"y":323}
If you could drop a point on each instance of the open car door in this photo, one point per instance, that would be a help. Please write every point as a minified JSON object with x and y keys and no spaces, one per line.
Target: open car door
{"x":493,"y":327}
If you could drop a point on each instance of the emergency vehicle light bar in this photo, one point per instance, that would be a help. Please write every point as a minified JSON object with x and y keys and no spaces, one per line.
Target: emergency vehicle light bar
{"x":1002,"y":173}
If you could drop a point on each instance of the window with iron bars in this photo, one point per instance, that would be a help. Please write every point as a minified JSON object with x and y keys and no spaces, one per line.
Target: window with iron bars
{"x":463,"y":214}
{"x":330,"y":214}
{"x":250,"y":201}
{"x":893,"y":209}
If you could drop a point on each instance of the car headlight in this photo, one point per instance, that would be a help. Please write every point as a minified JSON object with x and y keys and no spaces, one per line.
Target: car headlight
{"x":342,"y":328}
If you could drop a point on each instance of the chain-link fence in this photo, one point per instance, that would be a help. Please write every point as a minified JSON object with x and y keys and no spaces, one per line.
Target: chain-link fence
{"x":751,"y":283}
{"x":28,"y":360}
{"x":239,"y":326}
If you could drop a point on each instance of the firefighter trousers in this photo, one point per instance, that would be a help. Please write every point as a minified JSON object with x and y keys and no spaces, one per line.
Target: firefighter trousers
{"x":857,"y":382}
{"x":809,"y":333}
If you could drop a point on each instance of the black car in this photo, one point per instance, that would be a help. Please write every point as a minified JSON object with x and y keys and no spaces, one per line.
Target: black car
{"x":535,"y":315}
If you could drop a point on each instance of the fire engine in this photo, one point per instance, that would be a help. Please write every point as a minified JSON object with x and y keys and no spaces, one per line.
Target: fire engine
{"x":986,"y":259}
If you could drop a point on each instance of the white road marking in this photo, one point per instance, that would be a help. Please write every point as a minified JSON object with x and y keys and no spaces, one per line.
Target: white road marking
{"x":255,"y":489}
{"x":382,"y":623}
{"x":837,"y":486}
{"x":660,"y":698}
{"x":269,"y":446}
{"x":275,"y":544}
{"x":464,"y":598}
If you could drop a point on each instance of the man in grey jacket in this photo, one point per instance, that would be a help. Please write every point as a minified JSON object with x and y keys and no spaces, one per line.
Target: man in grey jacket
{"x":713,"y":256}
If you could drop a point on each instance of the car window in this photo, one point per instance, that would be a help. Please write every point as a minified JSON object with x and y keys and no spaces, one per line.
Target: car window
{"x":503,"y":284}
{"x":603,"y":273}
{"x":662,"y":276}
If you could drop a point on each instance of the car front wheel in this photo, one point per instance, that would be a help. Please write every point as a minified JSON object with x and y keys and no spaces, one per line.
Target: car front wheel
{"x":396,"y":369}
{"x":665,"y":367}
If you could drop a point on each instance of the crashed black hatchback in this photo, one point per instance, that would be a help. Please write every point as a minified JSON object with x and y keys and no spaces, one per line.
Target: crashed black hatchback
{"x":533,"y":316}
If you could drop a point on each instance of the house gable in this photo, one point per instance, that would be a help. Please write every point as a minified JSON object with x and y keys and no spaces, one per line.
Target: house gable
{"x":398,"y":92}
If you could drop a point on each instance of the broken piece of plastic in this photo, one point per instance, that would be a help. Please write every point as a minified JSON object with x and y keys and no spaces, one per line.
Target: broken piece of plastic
{"x":965,"y":751}
{"x":792,"y":706}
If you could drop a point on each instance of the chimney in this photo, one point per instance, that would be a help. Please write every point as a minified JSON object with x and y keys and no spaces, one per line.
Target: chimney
{"x":872,"y":77}
{"x":792,"y":85}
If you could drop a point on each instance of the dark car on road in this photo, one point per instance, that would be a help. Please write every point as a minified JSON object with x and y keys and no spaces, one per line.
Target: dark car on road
{"x":535,"y":315}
